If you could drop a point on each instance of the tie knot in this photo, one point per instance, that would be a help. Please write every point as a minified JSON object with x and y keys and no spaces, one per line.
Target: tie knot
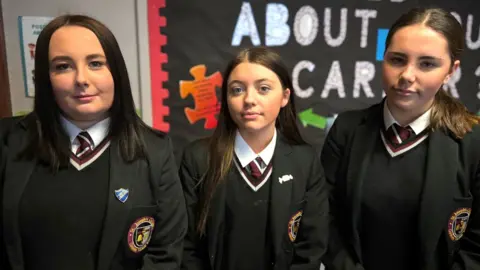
{"x":84,"y":136}
{"x":260,"y":162}
{"x":254,"y":169}
{"x":85,"y":144}
{"x":403,"y":132}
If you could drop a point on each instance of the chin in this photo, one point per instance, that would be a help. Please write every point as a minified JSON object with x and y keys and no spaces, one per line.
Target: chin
{"x":402,"y":103}
{"x":251,"y":127}
{"x":89,"y":115}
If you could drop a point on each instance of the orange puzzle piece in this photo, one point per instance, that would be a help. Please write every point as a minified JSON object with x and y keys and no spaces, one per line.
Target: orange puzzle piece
{"x":203,"y":91}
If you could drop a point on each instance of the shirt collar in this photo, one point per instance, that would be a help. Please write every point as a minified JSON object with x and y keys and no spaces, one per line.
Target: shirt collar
{"x":246,"y":155}
{"x":418,"y":125}
{"x":97,"y":132}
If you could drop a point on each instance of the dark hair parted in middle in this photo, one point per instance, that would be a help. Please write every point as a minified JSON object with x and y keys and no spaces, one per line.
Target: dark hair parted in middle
{"x":221,"y":145}
{"x":48,"y":140}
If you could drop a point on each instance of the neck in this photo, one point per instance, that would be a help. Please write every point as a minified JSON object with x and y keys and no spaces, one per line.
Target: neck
{"x":258,"y":140}
{"x":405,"y":117}
{"x":84,"y":124}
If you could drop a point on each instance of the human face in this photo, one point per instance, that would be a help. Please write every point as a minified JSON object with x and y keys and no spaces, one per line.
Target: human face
{"x":81,"y":80}
{"x":416,"y":64}
{"x":255,"y":96}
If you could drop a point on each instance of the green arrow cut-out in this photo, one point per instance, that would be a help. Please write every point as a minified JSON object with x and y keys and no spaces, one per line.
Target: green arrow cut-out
{"x":309,"y":118}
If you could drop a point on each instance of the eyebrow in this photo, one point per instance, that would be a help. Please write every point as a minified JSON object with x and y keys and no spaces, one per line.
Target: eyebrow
{"x":67,"y":58}
{"x":257,"y":81}
{"x":423,"y":57}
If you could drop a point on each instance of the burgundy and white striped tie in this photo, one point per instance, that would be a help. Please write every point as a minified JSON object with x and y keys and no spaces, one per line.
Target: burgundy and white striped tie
{"x":254,"y":170}
{"x":403,"y":132}
{"x":85,"y":147}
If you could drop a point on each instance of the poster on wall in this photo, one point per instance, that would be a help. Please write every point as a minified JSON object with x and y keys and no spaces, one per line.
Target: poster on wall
{"x":29,"y":28}
{"x":333,"y":50}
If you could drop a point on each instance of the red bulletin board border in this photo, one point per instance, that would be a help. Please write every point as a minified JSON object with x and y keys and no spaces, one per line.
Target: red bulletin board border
{"x":157,"y":58}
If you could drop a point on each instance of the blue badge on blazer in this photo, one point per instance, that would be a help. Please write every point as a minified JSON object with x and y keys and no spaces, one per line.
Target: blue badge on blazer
{"x":121,"y":194}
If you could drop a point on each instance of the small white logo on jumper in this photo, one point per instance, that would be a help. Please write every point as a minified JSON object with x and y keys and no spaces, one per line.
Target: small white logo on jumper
{"x":285,"y":178}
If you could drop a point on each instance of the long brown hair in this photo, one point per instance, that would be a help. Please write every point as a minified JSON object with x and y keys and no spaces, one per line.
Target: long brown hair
{"x":221,"y":145}
{"x":448,"y":114}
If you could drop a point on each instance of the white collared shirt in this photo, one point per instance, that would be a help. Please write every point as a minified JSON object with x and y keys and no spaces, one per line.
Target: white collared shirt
{"x":418,"y":125}
{"x":97,"y":132}
{"x":246,"y":155}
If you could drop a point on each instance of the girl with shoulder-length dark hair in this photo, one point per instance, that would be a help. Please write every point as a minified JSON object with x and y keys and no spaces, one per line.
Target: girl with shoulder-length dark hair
{"x":255,"y":191}
{"x":405,"y":173}
{"x":85,"y":184}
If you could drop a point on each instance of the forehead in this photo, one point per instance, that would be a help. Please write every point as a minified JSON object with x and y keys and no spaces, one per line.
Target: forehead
{"x":417,"y":40}
{"x":247,"y":72}
{"x":74,"y":41}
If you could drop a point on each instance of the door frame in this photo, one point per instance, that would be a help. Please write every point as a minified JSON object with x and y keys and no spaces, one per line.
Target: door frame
{"x":5,"y":102}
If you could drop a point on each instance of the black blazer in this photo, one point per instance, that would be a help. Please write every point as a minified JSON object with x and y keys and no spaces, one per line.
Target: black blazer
{"x":306,"y":192}
{"x":452,"y":182}
{"x":155,"y":191}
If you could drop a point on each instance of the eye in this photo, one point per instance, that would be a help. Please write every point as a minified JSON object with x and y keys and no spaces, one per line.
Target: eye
{"x":61,"y":67}
{"x":395,"y":60}
{"x":96,"y":64}
{"x":264,"y":89}
{"x":427,"y":65}
{"x":236,"y":90}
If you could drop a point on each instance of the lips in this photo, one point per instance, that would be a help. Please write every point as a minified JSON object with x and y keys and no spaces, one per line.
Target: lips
{"x":250,"y":115}
{"x":404,"y":92}
{"x":84,"y":96}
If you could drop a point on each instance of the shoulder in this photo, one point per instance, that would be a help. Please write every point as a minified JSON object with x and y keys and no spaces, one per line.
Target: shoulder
{"x":303,"y":150}
{"x":472,"y":139}
{"x":155,"y":137}
{"x":196,"y":150}
{"x":347,"y":122}
{"x":9,"y":122}
{"x":194,"y":160}
{"x":351,"y":118}
{"x":10,"y":125}
{"x":303,"y":154}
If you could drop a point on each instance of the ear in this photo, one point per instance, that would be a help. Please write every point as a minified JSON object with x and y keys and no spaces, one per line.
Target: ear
{"x":286,"y":97}
{"x":454,"y":68}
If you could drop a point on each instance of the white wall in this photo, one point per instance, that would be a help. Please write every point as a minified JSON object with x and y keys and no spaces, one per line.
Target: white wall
{"x":119,"y":15}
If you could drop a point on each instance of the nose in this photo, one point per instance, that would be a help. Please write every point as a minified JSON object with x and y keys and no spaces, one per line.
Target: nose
{"x":408,"y":74}
{"x":81,"y":77}
{"x":250,"y":96}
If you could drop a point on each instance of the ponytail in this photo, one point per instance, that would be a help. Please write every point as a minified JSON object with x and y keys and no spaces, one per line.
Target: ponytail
{"x":450,"y":115}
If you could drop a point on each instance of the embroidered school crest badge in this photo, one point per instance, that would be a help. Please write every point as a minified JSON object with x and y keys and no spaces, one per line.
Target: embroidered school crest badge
{"x":122,"y":194}
{"x":457,"y":224}
{"x":140,"y":233}
{"x":293,"y":225}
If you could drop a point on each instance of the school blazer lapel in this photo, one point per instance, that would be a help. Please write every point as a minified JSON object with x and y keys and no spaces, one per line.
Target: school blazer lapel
{"x":17,"y":174}
{"x":366,"y":134}
{"x":440,"y":179}
{"x":215,"y":225}
{"x":281,"y":194}
{"x":121,"y":176}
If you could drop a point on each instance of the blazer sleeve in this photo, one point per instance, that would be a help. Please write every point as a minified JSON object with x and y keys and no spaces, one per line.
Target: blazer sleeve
{"x":165,"y":248}
{"x":468,"y":256}
{"x":311,"y":242}
{"x":5,"y":125}
{"x":338,"y":256}
{"x":195,"y":252}
{"x":4,"y":264}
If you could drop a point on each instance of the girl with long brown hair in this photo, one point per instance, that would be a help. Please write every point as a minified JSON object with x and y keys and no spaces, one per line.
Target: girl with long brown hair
{"x":405,"y":172}
{"x":255,"y":191}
